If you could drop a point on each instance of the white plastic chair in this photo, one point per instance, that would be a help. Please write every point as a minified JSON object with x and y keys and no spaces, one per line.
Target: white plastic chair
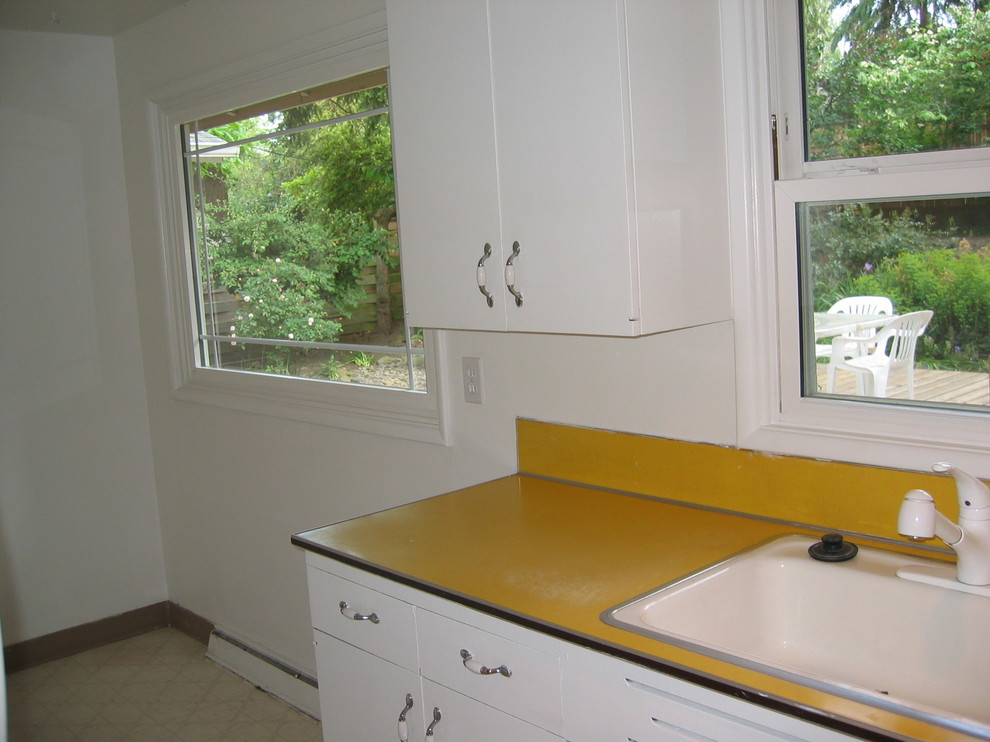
{"x":891,"y":349}
{"x":856,"y":305}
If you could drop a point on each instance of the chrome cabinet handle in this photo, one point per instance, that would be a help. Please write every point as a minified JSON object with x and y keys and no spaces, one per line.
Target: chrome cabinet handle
{"x":403,"y":727}
{"x":347,"y":612}
{"x":436,"y":720}
{"x":483,"y":276}
{"x":479,"y":669}
{"x":510,"y":275}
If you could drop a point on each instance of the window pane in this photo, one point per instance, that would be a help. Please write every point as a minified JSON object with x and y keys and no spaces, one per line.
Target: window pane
{"x":888,"y":77}
{"x":865,"y":267}
{"x":297,"y":254}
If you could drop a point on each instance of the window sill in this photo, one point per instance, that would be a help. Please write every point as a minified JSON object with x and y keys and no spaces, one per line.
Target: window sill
{"x":396,"y":413}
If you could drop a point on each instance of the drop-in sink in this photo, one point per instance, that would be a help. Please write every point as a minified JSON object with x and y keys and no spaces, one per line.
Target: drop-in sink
{"x":852,"y":628}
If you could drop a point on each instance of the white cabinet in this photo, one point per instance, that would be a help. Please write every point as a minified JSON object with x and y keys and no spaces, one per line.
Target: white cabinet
{"x":462,"y":719}
{"x":364,"y":697}
{"x":609,"y":700}
{"x":384,"y":651}
{"x":590,"y":135}
{"x":459,"y":675}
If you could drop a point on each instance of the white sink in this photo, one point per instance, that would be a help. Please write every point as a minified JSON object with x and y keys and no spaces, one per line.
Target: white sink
{"x":852,"y":628}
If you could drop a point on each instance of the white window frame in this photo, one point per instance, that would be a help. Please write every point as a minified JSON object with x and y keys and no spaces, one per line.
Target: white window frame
{"x":401,"y":413}
{"x":771,"y":413}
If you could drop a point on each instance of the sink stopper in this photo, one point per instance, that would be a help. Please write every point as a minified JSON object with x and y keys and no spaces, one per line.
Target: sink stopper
{"x":832,"y":549}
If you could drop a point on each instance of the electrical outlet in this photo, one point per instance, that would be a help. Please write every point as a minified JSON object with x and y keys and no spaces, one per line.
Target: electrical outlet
{"x":471,"y":373}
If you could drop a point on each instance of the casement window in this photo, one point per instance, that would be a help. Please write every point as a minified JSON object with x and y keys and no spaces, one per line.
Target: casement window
{"x":869,"y":172}
{"x":294,"y":240}
{"x":282,"y":256}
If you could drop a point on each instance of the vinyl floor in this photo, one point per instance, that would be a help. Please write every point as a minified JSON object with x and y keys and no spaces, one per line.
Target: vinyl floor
{"x":157,"y":687}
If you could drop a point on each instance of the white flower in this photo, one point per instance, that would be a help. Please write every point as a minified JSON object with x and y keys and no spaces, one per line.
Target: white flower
{"x":278,"y":260}
{"x":232,"y":328}
{"x":250,"y":315}
{"x":247,"y":298}
{"x":290,"y":336}
{"x":310,"y":321}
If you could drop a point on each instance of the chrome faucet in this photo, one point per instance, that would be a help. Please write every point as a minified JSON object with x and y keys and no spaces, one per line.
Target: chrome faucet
{"x":970,"y":539}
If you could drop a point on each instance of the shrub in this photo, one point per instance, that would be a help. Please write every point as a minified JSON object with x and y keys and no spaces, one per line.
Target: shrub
{"x":292,"y":272}
{"x":955,"y":285}
{"x":848,"y":241}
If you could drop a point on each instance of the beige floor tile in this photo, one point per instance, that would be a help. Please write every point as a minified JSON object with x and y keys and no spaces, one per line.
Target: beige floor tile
{"x":157,"y":687}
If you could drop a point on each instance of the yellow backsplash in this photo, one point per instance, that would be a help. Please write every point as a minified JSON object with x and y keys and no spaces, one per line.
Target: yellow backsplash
{"x":824,"y":494}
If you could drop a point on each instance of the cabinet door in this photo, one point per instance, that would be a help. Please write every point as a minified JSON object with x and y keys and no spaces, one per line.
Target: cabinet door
{"x":462,"y":719}
{"x":446,"y":181}
{"x":363,"y":696}
{"x":564,"y":148}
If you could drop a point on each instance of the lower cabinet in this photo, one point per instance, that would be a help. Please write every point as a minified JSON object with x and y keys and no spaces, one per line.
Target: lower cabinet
{"x":457,"y":718}
{"x":396,"y":663}
{"x":363,"y":697}
{"x":609,"y":700}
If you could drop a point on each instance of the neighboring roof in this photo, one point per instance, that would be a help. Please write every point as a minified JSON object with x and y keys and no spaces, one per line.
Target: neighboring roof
{"x":205,"y":140}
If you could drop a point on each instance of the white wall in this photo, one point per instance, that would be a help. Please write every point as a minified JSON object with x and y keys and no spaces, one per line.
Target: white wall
{"x":232,"y":487}
{"x":79,"y":532}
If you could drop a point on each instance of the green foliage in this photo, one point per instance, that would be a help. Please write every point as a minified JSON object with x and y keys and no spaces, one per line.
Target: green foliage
{"x":890,"y":79}
{"x":848,"y":241}
{"x":298,"y":225}
{"x":955,"y":284}
{"x":331,"y":368}
{"x":351,"y":162}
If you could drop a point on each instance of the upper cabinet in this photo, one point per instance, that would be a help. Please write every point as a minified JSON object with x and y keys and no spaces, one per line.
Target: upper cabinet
{"x":560,"y":165}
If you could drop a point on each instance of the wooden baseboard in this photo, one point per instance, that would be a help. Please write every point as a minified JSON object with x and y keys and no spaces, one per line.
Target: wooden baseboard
{"x":189,"y":623}
{"x":77,"y":639}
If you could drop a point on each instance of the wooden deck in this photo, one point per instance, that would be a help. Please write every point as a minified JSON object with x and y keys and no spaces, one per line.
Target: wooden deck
{"x":953,"y":387}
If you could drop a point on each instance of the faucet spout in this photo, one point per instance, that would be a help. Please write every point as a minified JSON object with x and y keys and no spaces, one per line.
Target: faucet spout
{"x":974,"y":495}
{"x":970,"y":539}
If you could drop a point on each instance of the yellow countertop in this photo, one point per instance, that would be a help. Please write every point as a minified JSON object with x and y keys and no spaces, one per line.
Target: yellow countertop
{"x":556,"y":555}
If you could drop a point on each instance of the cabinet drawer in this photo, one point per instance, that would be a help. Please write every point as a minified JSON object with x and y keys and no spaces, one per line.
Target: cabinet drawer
{"x":609,"y":700}
{"x":390,"y":634}
{"x":528,"y":688}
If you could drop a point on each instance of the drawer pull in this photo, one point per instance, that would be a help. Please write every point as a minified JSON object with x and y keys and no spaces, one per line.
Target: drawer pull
{"x":347,"y":612}
{"x":510,"y":275}
{"x":479,"y":669}
{"x":403,"y":727}
{"x":483,"y":277}
{"x":436,"y":720}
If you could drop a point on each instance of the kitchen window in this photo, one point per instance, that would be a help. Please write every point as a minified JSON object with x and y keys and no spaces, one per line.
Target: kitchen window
{"x":893,"y":274}
{"x":282,"y":255}
{"x":294,"y":235}
{"x":863,"y":188}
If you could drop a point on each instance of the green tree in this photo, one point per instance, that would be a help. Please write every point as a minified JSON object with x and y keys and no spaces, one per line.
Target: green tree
{"x":896,"y":84}
{"x":292,"y":260}
{"x":850,"y":242}
{"x":349,"y":164}
{"x":350,"y":169}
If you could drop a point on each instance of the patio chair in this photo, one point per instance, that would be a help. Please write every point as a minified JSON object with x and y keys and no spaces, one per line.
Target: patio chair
{"x":891,"y":349}
{"x":856,"y":305}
